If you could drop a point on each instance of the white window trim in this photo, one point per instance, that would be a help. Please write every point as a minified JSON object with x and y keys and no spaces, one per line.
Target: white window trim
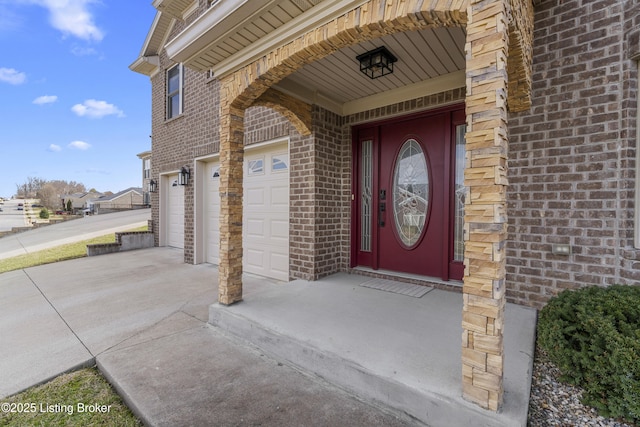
{"x":147,"y":168}
{"x":253,"y":161}
{"x":284,"y":154}
{"x":168,"y":95}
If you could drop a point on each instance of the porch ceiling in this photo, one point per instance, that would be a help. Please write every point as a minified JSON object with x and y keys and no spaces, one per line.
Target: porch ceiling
{"x":233,"y":34}
{"x":429,"y":61}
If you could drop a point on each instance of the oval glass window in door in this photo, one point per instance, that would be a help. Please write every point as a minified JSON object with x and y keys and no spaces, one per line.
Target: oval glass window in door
{"x":410,"y":193}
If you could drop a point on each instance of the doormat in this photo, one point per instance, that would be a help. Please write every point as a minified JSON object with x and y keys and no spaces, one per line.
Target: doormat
{"x":416,"y":291}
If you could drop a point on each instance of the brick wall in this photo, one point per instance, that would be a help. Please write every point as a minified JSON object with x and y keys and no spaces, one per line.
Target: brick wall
{"x":630,"y":257}
{"x":572,"y":156}
{"x":301,"y":208}
{"x":332,"y":182}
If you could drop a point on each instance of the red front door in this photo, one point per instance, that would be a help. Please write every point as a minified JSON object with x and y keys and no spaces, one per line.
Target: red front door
{"x":403,"y":209}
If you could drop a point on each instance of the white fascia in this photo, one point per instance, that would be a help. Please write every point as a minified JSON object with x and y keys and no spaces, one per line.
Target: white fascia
{"x":221,"y":19}
{"x":211,"y":28}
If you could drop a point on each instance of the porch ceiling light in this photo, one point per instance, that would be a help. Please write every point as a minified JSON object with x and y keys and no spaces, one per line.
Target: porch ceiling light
{"x":377,"y":62}
{"x":153,"y":186}
{"x":183,"y":176}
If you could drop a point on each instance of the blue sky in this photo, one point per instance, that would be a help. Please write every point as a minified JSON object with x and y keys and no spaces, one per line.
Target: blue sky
{"x":71,"y":109}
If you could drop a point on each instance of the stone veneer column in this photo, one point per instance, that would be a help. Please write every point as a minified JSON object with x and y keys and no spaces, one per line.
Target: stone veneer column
{"x":231,"y":162}
{"x":485,"y":209}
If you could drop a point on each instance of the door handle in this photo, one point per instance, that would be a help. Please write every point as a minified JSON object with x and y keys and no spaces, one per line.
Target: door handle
{"x":382,"y":207}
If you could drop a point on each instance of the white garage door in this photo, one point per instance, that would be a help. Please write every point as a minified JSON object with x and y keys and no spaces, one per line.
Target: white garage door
{"x":266,"y":212}
{"x":212,"y":212}
{"x":265,"y":216}
{"x":175,"y":213}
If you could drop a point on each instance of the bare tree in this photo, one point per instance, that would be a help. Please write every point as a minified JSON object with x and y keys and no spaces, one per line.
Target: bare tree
{"x":48,"y":196}
{"x":30,"y":187}
{"x":64,"y":187}
{"x":49,"y":192}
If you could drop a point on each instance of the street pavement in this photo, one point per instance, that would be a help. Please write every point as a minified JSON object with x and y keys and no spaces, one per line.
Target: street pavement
{"x":71,"y":231}
{"x":10,"y":216}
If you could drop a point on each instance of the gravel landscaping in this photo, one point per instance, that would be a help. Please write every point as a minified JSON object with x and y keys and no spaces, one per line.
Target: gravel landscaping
{"x":553,"y":403}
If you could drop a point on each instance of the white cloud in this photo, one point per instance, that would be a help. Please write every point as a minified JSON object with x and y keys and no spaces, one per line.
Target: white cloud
{"x":83,"y":51}
{"x":45,"y":99}
{"x":12,"y":76}
{"x":72,"y":17}
{"x":55,"y":148}
{"x":96,"y":109}
{"x":79,"y":145}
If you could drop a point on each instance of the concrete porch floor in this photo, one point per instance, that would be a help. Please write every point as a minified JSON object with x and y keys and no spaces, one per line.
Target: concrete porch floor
{"x":394,"y":350}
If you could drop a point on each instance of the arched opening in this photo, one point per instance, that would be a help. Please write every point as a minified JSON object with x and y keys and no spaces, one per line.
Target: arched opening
{"x":486,"y":71}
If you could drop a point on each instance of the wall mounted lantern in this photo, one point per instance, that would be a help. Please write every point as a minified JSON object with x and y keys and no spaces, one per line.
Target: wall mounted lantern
{"x":377,"y":62}
{"x":183,"y":176}
{"x":153,"y":186}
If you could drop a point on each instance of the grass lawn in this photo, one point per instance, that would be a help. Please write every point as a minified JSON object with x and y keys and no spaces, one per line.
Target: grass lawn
{"x":68,"y":399}
{"x":81,"y":398}
{"x":59,"y":253}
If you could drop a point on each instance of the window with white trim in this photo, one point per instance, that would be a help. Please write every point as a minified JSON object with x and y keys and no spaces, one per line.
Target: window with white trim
{"x":280,"y":162}
{"x":147,"y":168}
{"x":256,"y":166}
{"x":174,"y":91}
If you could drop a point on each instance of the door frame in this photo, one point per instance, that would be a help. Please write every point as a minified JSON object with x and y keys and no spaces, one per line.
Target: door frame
{"x":371,"y":130}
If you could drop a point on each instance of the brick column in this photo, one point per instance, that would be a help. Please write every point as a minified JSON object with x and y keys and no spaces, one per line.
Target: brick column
{"x":485,"y":210}
{"x":231,"y":160}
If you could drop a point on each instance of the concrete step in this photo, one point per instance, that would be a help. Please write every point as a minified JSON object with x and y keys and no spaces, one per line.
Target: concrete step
{"x":394,"y":351}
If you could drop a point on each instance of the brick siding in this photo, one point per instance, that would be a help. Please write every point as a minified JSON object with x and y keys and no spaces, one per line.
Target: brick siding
{"x":572,"y":156}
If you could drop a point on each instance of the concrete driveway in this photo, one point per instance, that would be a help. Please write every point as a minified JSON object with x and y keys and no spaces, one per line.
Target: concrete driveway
{"x":141,"y":316}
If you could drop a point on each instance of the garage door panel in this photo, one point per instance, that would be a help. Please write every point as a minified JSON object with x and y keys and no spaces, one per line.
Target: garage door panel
{"x":279,"y":229}
{"x":255,"y":198}
{"x":280,"y":196}
{"x":175,"y":213}
{"x":254,"y":258}
{"x":280,"y":264}
{"x":255,"y":228}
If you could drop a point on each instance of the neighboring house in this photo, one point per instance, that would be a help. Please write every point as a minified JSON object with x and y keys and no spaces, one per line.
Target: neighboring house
{"x":498,"y":158}
{"x":79,"y":201}
{"x":145,"y":156}
{"x":131,"y":198}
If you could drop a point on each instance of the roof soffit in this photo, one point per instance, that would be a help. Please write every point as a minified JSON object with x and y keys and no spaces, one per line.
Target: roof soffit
{"x":215,"y":27}
{"x":174,"y":8}
{"x":148,"y":62}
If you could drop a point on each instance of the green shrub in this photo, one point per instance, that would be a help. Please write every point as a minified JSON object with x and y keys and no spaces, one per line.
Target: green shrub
{"x":44,"y":213}
{"x":593,"y":336}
